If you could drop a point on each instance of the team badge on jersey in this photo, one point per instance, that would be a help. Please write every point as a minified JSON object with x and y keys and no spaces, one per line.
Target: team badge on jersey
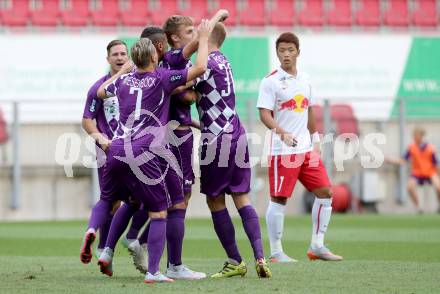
{"x":299,"y":103}
{"x":93,"y":106}
{"x":175,"y":78}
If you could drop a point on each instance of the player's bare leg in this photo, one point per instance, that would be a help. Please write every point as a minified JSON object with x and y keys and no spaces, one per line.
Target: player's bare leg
{"x":435,"y":180}
{"x":226,"y":234}
{"x":251,"y":225}
{"x":412,"y":191}
{"x":321,"y":213}
{"x":275,"y":229}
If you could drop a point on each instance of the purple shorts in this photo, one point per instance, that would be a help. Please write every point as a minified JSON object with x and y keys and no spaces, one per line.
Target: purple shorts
{"x":101,"y":157}
{"x":184,"y":156}
{"x":422,"y":180}
{"x":145,"y":181}
{"x":224,"y":165}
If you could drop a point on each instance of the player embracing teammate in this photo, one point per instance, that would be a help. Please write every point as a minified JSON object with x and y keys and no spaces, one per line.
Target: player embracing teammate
{"x":149,"y":89}
{"x":224,"y":160}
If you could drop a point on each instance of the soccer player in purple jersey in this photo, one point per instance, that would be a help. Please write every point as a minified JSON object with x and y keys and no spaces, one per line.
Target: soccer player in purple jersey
{"x":138,"y":247}
{"x":106,"y":115}
{"x":181,"y":37}
{"x":224,"y":160}
{"x":144,"y":97}
{"x":174,"y":59}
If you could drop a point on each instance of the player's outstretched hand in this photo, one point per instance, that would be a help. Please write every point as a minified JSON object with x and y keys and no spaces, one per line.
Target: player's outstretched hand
{"x":223,"y":15}
{"x":127,"y":67}
{"x":204,"y":29}
{"x":289,"y":139}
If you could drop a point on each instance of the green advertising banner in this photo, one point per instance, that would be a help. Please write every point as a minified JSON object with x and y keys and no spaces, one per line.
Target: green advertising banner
{"x":420,"y":83}
{"x":250,"y":63}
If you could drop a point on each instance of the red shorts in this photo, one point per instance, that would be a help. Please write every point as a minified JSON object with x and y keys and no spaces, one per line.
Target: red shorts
{"x":285,"y":170}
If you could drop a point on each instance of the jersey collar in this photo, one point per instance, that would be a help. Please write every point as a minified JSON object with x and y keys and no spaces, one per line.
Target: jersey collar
{"x":285,"y":74}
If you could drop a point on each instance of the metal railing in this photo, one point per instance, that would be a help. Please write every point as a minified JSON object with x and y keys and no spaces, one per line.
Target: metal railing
{"x":15,"y":123}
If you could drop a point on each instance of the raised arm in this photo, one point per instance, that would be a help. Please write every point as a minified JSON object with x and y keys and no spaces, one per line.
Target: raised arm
{"x":195,"y":123}
{"x":192,"y":46}
{"x":126,"y":68}
{"x":201,"y":63}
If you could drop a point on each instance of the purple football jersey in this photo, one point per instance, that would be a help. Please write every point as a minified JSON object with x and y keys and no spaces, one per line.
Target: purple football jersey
{"x":144,"y":102}
{"x":216,"y":106}
{"x":105,"y":112}
{"x":179,"y":111}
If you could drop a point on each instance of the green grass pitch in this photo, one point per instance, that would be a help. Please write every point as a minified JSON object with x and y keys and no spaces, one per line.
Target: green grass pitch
{"x":383,"y":254}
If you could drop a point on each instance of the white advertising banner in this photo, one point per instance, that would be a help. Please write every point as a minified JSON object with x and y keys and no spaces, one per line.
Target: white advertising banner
{"x":50,"y":74}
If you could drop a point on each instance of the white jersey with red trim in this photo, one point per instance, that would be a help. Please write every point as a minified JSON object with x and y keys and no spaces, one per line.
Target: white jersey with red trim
{"x":289,"y":97}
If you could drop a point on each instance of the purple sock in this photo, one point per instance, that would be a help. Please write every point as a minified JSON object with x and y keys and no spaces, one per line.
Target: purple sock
{"x":175,"y":234}
{"x":143,"y":239}
{"x":138,"y":221}
{"x":251,"y":226}
{"x":156,"y":243}
{"x":226,"y":233}
{"x":103,"y":232}
{"x":100,"y":214}
{"x":119,"y":224}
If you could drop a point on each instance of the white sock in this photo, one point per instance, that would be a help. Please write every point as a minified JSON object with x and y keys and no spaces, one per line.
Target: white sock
{"x":275,"y":226}
{"x":321,"y":212}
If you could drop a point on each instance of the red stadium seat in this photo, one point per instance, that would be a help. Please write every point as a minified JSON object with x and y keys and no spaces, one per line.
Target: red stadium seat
{"x":282,"y":13}
{"x":76,"y":13}
{"x":197,"y":9}
{"x":318,"y":112}
{"x":106,"y":14}
{"x":136,"y":13}
{"x":340,"y":13}
{"x":162,"y":11}
{"x":47,"y":14}
{"x":342,"y":117}
{"x":3,"y":131}
{"x":397,"y":14}
{"x":369,"y":13}
{"x":16,"y":15}
{"x":231,"y":6}
{"x":425,"y":13}
{"x":312,"y":13}
{"x":253,"y":14}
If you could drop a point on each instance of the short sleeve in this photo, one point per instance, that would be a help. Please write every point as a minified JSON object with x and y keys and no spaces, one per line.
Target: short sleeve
{"x":176,"y":59}
{"x":266,"y":95}
{"x":112,"y":88}
{"x":93,"y":104}
{"x":171,"y":79}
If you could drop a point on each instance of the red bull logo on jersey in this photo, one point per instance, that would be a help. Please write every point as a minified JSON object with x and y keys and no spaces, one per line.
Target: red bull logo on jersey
{"x":299,"y":103}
